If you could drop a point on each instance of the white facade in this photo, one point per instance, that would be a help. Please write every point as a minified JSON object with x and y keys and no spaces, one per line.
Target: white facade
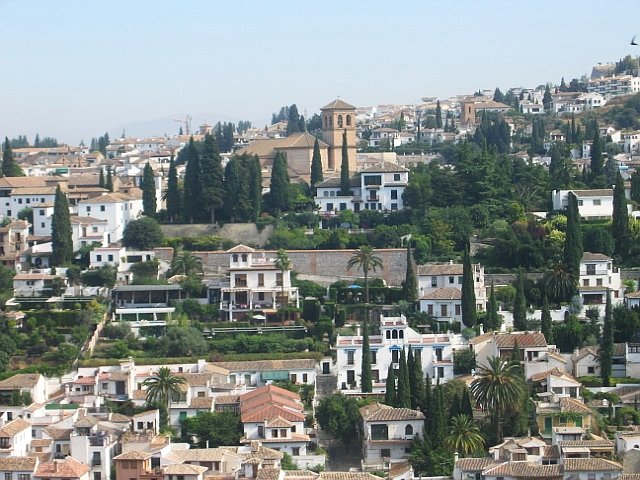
{"x":615,"y":85}
{"x":15,"y":438}
{"x":32,"y":284}
{"x":87,"y":230}
{"x":435,"y":352}
{"x":592,"y":204}
{"x":117,"y":209}
{"x":375,"y":188}
{"x":597,"y":275}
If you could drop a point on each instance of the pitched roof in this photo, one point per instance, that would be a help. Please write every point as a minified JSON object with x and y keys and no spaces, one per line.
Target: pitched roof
{"x":240,"y":248}
{"x":268,"y":474}
{"x":262,"y":365}
{"x":18,"y":464}
{"x":446,"y":293}
{"x":184,"y":469}
{"x":67,"y":468}
{"x":595,"y":257}
{"x":334,"y":182}
{"x":590,"y":464}
{"x":347,"y":476}
{"x":339,"y":105}
{"x":573,"y":405}
{"x":379,"y":412}
{"x":524,"y":469}
{"x":436,"y":269}
{"x":554,"y":372}
{"x":201,"y":402}
{"x":58,"y":433}
{"x":107,"y":198}
{"x":525,"y":340}
{"x":133,"y":455}
{"x":384,"y":167}
{"x":20,"y":380}
{"x":475,"y":464}
{"x":601,"y":192}
{"x":14,"y":427}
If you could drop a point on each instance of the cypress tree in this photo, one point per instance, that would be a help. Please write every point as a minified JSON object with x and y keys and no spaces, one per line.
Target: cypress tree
{"x":344,"y":168}
{"x":148,"y":192}
{"x":366,"y":379}
{"x":173,"y":193}
{"x":237,"y":201}
{"x":635,"y":186}
{"x":255,"y":186}
{"x":465,"y":403}
{"x":492,"y":318}
{"x":410,"y":284}
{"x":101,"y":182}
{"x":597,"y":165}
{"x":438,"y":416}
{"x":9,"y":166}
{"x":469,"y":313}
{"x":61,"y":242}
{"x":520,"y":305}
{"x":428,"y":398}
{"x":546,"y":325}
{"x":108,"y":184}
{"x":403,"y":399}
{"x":390,"y":388}
{"x":454,"y":408}
{"x":438,"y":115}
{"x":211,"y":177}
{"x":620,"y":219}
{"x":192,"y":203}
{"x":279,"y":193}
{"x":316,"y":165}
{"x":516,"y":355}
{"x":417,"y":381}
{"x":606,"y":352}
{"x":573,"y":249}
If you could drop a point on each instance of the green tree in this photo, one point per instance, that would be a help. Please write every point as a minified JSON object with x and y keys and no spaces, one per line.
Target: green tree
{"x":279,"y":191}
{"x":365,"y":258}
{"x":237,"y":200}
{"x":463,"y":361}
{"x":547,"y":99}
{"x":192,"y":202}
{"x":255,"y":186}
{"x":163,"y":386}
{"x":573,"y":249}
{"x":492,"y":320}
{"x":344,"y":167}
{"x":186,"y":263}
{"x":410,"y":284}
{"x":620,"y":219}
{"x":149,"y":205}
{"x":438,"y":114}
{"x":469,"y":312}
{"x":142,"y":234}
{"x":108,"y":184}
{"x":283,"y":264}
{"x":635,"y":186}
{"x":546,"y":325}
{"x":61,"y":241}
{"x":403,"y":398}
{"x":520,"y":305}
{"x":316,"y":165}
{"x":173,"y":192}
{"x":339,"y":416}
{"x":416,"y":379}
{"x":463,"y":436}
{"x":597,"y":162}
{"x":390,"y":387}
{"x":498,"y":388}
{"x":606,"y":352}
{"x":9,"y":166}
{"x":366,"y":379}
{"x":214,"y":429}
{"x":465,"y":403}
{"x":101,"y":180}
{"x":211,"y":178}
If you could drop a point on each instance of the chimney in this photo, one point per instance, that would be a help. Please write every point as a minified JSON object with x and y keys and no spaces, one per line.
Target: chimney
{"x":456,"y":456}
{"x":55,"y":466}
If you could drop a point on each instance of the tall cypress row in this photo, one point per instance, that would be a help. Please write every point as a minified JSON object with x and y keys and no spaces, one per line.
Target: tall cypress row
{"x":546,"y":325}
{"x":211,"y":178}
{"x":173,"y":193}
{"x":108,"y":183}
{"x":606,"y":352}
{"x":417,"y":382}
{"x":390,"y":387}
{"x":149,"y":205}
{"x":316,"y":165}
{"x":620,"y":219}
{"x":469,"y":313}
{"x":520,"y":305}
{"x":255,"y":186}
{"x":573,"y":249}
{"x":279,"y":192}
{"x":344,"y":167}
{"x":192,"y":204}
{"x":61,"y":242}
{"x":492,"y":318}
{"x":9,"y":166}
{"x":410,"y":284}
{"x":366,"y":378}
{"x":403,"y":399}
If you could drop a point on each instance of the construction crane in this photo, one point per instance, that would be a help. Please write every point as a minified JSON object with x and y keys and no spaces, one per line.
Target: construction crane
{"x":186,"y":122}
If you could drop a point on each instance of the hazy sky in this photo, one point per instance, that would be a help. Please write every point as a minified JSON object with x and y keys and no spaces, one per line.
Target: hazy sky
{"x":73,"y":69}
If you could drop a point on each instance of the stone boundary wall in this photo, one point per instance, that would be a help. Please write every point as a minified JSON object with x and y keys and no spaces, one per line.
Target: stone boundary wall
{"x":246,"y":233}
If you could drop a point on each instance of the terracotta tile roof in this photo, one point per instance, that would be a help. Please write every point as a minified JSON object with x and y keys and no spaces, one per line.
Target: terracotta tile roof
{"x":525,"y":340}
{"x":629,"y":476}
{"x":58,"y":433}
{"x":384,"y":167}
{"x":585,"y":351}
{"x":348,"y":476}
{"x":279,"y":422}
{"x":301,"y":474}
{"x":551,"y":451}
{"x":602,"y":192}
{"x":379,"y":412}
{"x":573,"y":405}
{"x":524,"y":469}
{"x":262,"y":365}
{"x":475,"y":464}
{"x":334,"y":182}
{"x":398,"y":468}
{"x":437,"y":269}
{"x":270,"y":411}
{"x":67,"y":468}
{"x":590,"y":464}
{"x":18,"y":464}
{"x":86,"y":422}
{"x":587,"y":443}
{"x":201,"y":402}
{"x":445,"y":293}
{"x":338,"y":105}
{"x":33,"y":276}
{"x":84,"y":220}
{"x":21,"y":380}
{"x":203,"y":454}
{"x":14,"y":427}
{"x":268,"y":474}
{"x":554,"y":372}
{"x":240,"y":248}
{"x":107,"y":198}
{"x":40,"y":442}
{"x":595,"y":257}
{"x":632,"y":295}
{"x":133,"y":455}
{"x":184,"y":469}
{"x":227,"y":399}
{"x":119,"y":418}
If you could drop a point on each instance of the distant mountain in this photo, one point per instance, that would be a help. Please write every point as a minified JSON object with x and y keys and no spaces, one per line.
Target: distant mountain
{"x":168,"y":125}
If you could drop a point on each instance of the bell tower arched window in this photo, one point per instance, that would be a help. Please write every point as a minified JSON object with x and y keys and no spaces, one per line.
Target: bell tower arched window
{"x":348,"y":120}
{"x":339,"y":121}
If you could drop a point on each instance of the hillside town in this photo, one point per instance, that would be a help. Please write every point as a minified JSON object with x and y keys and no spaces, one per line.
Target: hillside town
{"x":444,"y":289}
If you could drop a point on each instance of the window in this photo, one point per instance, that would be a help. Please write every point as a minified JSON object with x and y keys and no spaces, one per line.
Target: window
{"x":394,"y":194}
{"x":8,"y":476}
{"x":451,"y":280}
{"x":440,"y":372}
{"x":23,"y":476}
{"x":457,"y":308}
{"x":305,"y":378}
{"x":279,"y":279}
{"x":343,"y":206}
{"x":408,"y":430}
{"x":379,"y":432}
{"x":434,"y":282}
{"x":41,"y":224}
{"x":585,"y":282}
{"x":598,"y":282}
{"x":385,"y":452}
{"x":94,"y":229}
{"x":591,"y":269}
{"x":395,"y":356}
{"x":430,"y":310}
{"x":20,"y":201}
{"x":42,"y":212}
{"x":373,"y":180}
{"x":596,"y":202}
{"x":329,"y":207}
{"x":261,"y":431}
{"x":261,"y":296}
{"x":88,"y":209}
{"x":244,"y":257}
{"x":394,"y":206}
{"x":102,"y":208}
{"x":396,"y":177}
{"x":348,"y":120}
{"x":261,"y":279}
{"x":351,"y":377}
{"x":591,"y":476}
{"x":326,"y":193}
{"x":580,"y":203}
{"x":110,"y":258}
{"x":339,"y":121}
{"x":351,"y":357}
{"x":295,"y":451}
{"x":374,"y":357}
{"x":99,"y":258}
{"x":444,"y":311}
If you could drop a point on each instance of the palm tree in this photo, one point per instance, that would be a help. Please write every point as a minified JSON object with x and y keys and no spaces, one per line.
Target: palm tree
{"x":366,"y":259}
{"x":186,"y":263}
{"x":464,"y":436}
{"x":162,"y":386}
{"x":560,"y":283}
{"x":283,"y":264}
{"x":498,"y":388}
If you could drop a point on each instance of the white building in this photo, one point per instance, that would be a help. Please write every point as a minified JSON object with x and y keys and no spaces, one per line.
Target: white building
{"x":33,"y":284}
{"x":87,"y":230}
{"x":592,"y":204}
{"x":440,"y":290}
{"x":117,"y":209}
{"x":435,"y":353}
{"x":388,"y":433}
{"x":378,"y":187}
{"x":15,"y":438}
{"x":615,"y":85}
{"x":597,"y":276}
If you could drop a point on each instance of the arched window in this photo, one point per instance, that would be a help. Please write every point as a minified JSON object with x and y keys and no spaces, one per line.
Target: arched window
{"x":339,"y":121}
{"x":244,"y":257}
{"x":388,"y":331}
{"x":235,"y":257}
{"x":348,"y":120}
{"x":326,"y":122}
{"x":401,"y":334}
{"x":331,"y":121}
{"x":394,"y":334}
{"x":408,"y":430}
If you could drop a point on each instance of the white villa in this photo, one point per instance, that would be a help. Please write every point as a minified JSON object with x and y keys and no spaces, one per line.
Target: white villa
{"x":597,"y":275}
{"x":592,"y":204}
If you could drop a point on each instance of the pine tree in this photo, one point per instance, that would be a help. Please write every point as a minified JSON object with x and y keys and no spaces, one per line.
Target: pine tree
{"x":620,"y":219}
{"x":520,"y":306}
{"x":9,"y":166}
{"x":410,"y":284}
{"x":192,"y":204}
{"x":469,"y":313}
{"x":492,"y":318}
{"x":101,"y":181}
{"x":390,"y":387}
{"x":546,"y":325}
{"x":316,"y":165}
{"x":403,"y":399}
{"x":344,"y":168}
{"x":366,"y":378}
{"x":438,"y":114}
{"x":108,"y":184}
{"x":606,"y":352}
{"x":635,"y":186}
{"x":149,"y":205}
{"x":211,"y":178}
{"x":61,"y":242}
{"x":416,"y":380}
{"x":173,"y":192}
{"x":573,"y":249}
{"x":279,"y":193}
